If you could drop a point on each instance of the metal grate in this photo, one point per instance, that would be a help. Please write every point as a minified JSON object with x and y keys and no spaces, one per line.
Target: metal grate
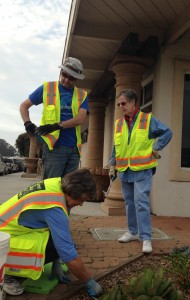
{"x":111,"y":234}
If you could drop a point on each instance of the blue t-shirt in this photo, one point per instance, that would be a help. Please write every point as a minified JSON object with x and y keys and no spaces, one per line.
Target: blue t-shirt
{"x":56,"y":220}
{"x":67,"y":136}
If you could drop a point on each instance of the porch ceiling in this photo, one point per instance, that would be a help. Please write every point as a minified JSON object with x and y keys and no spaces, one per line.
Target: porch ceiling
{"x":99,"y":30}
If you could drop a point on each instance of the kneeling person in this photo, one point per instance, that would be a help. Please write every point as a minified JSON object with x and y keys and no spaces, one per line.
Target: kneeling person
{"x":37,"y":220}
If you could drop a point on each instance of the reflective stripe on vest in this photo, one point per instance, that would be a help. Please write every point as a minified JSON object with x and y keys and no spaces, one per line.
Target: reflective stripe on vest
{"x":143,"y":123}
{"x":143,"y":160}
{"x":45,"y":199}
{"x":24,"y":260}
{"x":81,"y":96}
{"x":51,"y":100}
{"x":139,"y":144}
{"x":51,"y":93}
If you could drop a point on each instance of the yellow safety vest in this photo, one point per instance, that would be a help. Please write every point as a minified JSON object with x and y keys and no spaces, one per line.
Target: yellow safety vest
{"x":137,"y":155}
{"x":27,"y":246}
{"x":51,"y":111}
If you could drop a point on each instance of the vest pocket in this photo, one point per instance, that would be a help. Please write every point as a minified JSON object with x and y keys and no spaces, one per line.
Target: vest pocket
{"x":21,"y":244}
{"x":50,"y":114}
{"x":117,"y":140}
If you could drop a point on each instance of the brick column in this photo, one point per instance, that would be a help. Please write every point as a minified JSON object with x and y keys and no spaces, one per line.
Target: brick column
{"x":128,"y":73}
{"x":95,"y":145}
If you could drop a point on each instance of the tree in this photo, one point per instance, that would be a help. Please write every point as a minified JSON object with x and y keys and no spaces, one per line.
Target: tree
{"x":23,"y":144}
{"x":7,"y":149}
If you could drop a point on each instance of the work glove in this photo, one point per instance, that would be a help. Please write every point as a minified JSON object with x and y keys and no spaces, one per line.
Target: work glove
{"x":94,"y":289}
{"x":156,"y":154}
{"x":45,"y":129}
{"x":58,"y":272}
{"x":112,"y":173}
{"x":30,"y":128}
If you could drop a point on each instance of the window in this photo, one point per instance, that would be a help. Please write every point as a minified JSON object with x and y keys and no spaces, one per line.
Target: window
{"x":185,"y":143}
{"x":147,"y":94}
{"x":180,"y":143}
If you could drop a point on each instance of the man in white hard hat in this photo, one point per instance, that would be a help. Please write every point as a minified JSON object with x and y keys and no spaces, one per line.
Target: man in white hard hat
{"x":65,"y":109}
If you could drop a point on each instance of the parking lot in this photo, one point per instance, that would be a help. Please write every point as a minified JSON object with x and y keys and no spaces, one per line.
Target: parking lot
{"x":9,"y":165}
{"x":11,"y":184}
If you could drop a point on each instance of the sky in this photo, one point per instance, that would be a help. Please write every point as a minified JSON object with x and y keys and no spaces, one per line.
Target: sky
{"x":31,"y":49}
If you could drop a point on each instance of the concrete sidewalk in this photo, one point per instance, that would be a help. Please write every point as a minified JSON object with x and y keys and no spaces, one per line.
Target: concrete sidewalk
{"x":95,"y":234}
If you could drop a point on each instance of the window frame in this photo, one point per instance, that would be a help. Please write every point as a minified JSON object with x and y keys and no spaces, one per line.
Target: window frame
{"x":176,"y":172}
{"x":144,"y":83}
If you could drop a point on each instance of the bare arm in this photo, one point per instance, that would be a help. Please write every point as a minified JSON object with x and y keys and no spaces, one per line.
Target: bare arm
{"x":79,"y":120}
{"x":77,"y":267}
{"x":24,"y":110}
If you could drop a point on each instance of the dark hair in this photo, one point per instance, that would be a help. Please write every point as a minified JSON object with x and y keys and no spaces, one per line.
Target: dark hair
{"x":76,"y":183}
{"x":130,"y":94}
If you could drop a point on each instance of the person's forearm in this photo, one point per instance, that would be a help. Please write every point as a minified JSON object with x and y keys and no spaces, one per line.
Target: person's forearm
{"x":24,"y":110}
{"x":76,"y":121}
{"x":77,"y":267}
{"x":71,"y":123}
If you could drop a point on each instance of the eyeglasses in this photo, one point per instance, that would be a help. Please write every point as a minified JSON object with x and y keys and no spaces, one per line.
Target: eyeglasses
{"x":121,"y":104}
{"x":67,"y":76}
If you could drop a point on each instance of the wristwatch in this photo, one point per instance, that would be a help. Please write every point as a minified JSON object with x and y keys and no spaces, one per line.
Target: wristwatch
{"x":60,"y":125}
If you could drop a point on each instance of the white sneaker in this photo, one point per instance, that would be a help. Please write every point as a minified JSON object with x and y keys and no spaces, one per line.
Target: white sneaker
{"x":12,"y":286}
{"x":147,"y":246}
{"x":127,"y":237}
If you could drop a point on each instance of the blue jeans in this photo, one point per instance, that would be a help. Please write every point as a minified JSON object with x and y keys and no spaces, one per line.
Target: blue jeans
{"x":137,"y":204}
{"x":59,"y":161}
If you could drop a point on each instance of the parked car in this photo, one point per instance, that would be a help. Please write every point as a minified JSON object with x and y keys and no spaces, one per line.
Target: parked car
{"x":20,"y":163}
{"x":8,"y":164}
{"x":3,"y":168}
{"x":13,"y":167}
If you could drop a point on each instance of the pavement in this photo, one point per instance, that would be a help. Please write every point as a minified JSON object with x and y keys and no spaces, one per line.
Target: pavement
{"x":95,"y":235}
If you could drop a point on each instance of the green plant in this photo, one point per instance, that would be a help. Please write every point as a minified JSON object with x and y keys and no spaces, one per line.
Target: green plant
{"x":152,"y":285}
{"x":180,"y":266}
{"x":115,"y":293}
{"x":149,"y":285}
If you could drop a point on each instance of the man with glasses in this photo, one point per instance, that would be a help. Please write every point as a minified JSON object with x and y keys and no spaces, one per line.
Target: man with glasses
{"x":65,"y":109}
{"x":135,"y":157}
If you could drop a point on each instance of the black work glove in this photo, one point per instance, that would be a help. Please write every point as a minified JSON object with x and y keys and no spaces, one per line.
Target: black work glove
{"x":30,"y":128}
{"x":45,"y":129}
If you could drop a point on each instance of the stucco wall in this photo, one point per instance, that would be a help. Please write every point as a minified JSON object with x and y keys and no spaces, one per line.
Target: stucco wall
{"x":168,"y":198}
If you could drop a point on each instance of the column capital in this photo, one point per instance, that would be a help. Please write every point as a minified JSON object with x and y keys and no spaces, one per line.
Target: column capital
{"x":122,"y":59}
{"x":98,"y":102}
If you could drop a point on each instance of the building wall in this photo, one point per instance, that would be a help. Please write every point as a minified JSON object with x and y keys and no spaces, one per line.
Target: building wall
{"x":169,"y":197}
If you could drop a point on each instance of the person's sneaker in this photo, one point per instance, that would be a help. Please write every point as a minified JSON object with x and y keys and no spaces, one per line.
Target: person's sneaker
{"x":12,"y":286}
{"x":147,"y":246}
{"x":127,"y":237}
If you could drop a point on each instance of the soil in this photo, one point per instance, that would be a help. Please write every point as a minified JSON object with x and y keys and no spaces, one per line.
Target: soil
{"x":134,"y":268}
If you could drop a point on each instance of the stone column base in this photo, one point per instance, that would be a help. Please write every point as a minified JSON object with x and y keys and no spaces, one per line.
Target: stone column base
{"x":112,"y":210}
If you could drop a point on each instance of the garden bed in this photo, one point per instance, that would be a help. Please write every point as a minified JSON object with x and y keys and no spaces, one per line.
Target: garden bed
{"x":133,"y":268}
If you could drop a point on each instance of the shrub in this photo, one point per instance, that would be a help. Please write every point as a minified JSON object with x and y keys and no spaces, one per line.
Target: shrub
{"x":180,"y":266}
